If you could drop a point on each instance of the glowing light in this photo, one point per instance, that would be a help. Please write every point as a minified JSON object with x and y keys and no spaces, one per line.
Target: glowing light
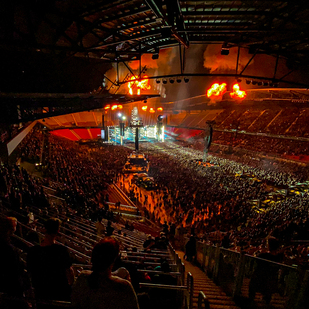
{"x":138,"y":84}
{"x":237,"y":93}
{"x":151,"y":110}
{"x":160,"y":109}
{"x":216,"y":90}
{"x":144,"y":108}
{"x":114,"y":107}
{"x":124,"y":117}
{"x":107,"y":107}
{"x":119,"y":106}
{"x":119,"y":114}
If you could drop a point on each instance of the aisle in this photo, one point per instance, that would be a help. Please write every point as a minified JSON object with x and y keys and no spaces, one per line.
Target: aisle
{"x":217,"y":298}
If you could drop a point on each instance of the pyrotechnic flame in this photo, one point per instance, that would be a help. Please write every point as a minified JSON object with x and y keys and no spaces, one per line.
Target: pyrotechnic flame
{"x":119,"y":106}
{"x":139,"y":84}
{"x":238,"y":94}
{"x":107,"y":107}
{"x":114,"y":107}
{"x":216,"y":90}
{"x":151,"y":110}
{"x":144,"y":108}
{"x":160,"y":109}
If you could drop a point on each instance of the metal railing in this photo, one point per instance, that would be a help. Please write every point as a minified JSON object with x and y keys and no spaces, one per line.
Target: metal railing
{"x":203,"y":302}
{"x":236,"y":274}
{"x":188,"y":290}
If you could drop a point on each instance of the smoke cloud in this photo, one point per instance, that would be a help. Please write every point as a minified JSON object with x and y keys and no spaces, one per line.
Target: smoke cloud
{"x":165,"y":55}
{"x":216,"y":62}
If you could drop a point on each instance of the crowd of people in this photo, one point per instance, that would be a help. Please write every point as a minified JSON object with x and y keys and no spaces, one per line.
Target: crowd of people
{"x":212,"y":203}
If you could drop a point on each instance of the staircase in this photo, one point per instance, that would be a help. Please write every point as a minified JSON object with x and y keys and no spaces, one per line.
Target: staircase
{"x":215,"y":295}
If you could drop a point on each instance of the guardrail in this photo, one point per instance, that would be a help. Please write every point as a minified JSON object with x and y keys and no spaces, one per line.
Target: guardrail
{"x":188,"y":290}
{"x":236,"y":274}
{"x":203,"y":302}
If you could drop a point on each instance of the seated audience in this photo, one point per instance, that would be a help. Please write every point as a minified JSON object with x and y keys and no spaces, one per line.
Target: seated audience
{"x":98,"y":288}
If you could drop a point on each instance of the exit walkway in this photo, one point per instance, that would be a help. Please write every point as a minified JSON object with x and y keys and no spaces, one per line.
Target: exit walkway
{"x":217,"y":298}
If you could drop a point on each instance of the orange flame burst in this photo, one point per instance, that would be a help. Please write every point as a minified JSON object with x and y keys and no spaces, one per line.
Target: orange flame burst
{"x":114,"y":107}
{"x":238,"y":94}
{"x":144,"y":108}
{"x":216,"y":90}
{"x":107,"y":107}
{"x":160,"y":109}
{"x":120,"y":106}
{"x":151,"y":110}
{"x":138,"y":84}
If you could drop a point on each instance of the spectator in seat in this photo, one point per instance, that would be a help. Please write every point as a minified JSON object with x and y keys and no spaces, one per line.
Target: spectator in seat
{"x":109,"y":228}
{"x":98,"y":288}
{"x":49,"y":265}
{"x":100,"y":228}
{"x":11,"y":268}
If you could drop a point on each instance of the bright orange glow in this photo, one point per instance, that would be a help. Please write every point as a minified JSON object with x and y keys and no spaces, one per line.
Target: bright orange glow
{"x":138,"y":84}
{"x":160,"y":109}
{"x":114,"y":107}
{"x":144,"y":108}
{"x":238,"y":94}
{"x":216,"y":90}
{"x":151,"y":110}
{"x":120,"y":107}
{"x":107,"y":107}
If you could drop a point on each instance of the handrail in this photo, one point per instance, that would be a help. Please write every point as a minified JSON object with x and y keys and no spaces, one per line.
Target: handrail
{"x":163,"y":286}
{"x":202,"y":299}
{"x":190,"y":287}
{"x":123,"y":194}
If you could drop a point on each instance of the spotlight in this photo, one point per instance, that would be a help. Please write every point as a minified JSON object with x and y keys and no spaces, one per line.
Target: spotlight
{"x":186,"y":79}
{"x":265,"y":83}
{"x":248,"y":82}
{"x":260,"y":83}
{"x":145,"y":101}
{"x":164,"y":81}
{"x":160,"y":117}
{"x":271,"y":84}
{"x":239,"y":80}
{"x":178,"y":80}
{"x":225,"y":50}
{"x":254,"y":82}
{"x":158,"y":81}
{"x":172,"y":80}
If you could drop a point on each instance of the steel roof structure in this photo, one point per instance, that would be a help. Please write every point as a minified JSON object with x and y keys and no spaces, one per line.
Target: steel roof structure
{"x":123,"y":29}
{"x":106,"y":31}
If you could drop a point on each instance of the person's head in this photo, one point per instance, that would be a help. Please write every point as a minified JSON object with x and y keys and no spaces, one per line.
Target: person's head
{"x":52,"y":226}
{"x":165,"y":267}
{"x":104,"y":254}
{"x":273,"y":244}
{"x":7,"y":227}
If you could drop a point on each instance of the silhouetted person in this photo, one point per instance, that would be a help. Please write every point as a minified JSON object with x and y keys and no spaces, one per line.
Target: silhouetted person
{"x":49,"y":265}
{"x":99,"y":289}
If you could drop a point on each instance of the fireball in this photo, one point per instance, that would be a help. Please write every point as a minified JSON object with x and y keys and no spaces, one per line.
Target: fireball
{"x":216,"y":90}
{"x":237,"y":93}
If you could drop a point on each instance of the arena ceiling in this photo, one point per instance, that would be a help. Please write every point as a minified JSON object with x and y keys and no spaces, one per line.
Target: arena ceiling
{"x":123,"y":29}
{"x":90,"y":35}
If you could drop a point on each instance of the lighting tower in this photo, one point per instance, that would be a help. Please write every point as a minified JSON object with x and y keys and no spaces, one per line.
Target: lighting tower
{"x":160,"y":129}
{"x":208,"y":138}
{"x":136,"y":123}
